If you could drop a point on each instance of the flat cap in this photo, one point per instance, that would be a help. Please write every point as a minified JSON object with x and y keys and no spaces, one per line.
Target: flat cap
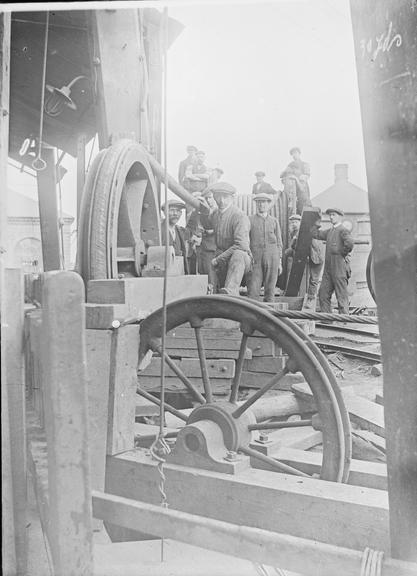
{"x":262,"y":196}
{"x":201,"y":152}
{"x":337,"y":210}
{"x":295,"y":149}
{"x":295,"y":217}
{"x":174,"y":204}
{"x":223,"y":187}
{"x":191,"y":148}
{"x":259,"y":173}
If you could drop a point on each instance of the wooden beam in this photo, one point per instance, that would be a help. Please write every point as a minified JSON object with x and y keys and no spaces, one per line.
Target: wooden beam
{"x":8,"y":533}
{"x":368,"y":474}
{"x":12,"y":332}
{"x":255,"y":544}
{"x":275,"y":502}
{"x":48,"y":211}
{"x":66,"y":425}
{"x":385,"y":41}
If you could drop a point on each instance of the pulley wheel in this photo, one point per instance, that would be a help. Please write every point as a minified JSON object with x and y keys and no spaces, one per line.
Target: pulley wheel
{"x":303,"y":357}
{"x":119,"y":216}
{"x":370,"y":275}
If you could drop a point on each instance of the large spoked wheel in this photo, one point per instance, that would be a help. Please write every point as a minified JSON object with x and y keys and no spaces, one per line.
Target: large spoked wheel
{"x":303,"y":355}
{"x":370,"y":275}
{"x":119,"y":215}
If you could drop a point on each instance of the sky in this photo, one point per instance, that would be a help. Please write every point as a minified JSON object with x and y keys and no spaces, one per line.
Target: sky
{"x":248,"y":81}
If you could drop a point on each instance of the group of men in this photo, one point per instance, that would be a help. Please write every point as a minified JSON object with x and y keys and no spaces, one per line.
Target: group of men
{"x":220,"y":240}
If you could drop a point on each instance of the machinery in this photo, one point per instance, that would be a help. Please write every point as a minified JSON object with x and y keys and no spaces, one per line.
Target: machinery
{"x":220,"y":481}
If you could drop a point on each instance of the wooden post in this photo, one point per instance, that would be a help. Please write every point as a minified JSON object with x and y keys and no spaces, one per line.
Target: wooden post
{"x":13,"y":359}
{"x":65,"y":398}
{"x":48,"y":212}
{"x":385,"y":38}
{"x":9,"y":567}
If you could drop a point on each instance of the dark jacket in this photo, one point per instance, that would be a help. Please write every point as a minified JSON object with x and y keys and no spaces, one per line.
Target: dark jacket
{"x":180,"y":243}
{"x":265,"y":234}
{"x":339,"y":244}
{"x":264,"y":188}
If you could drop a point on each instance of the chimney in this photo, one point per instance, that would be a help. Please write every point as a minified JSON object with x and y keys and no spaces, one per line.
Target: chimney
{"x":340,"y":172}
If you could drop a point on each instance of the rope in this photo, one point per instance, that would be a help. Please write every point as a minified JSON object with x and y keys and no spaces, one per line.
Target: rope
{"x":321,"y":316}
{"x":38,"y":163}
{"x":371,"y":564}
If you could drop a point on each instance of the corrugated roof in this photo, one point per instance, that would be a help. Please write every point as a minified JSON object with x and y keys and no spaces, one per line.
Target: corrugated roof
{"x":21,"y":206}
{"x":345,"y":195}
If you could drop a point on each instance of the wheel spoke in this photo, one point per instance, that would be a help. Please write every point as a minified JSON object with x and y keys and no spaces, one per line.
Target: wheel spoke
{"x":239,"y":367}
{"x":239,"y":411}
{"x":167,"y":407}
{"x":279,"y":466}
{"x":279,"y":425}
{"x":203,"y":363}
{"x":175,"y":368}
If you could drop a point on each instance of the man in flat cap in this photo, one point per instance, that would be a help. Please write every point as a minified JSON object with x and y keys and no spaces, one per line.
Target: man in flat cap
{"x":231,"y":232}
{"x":339,"y":244}
{"x":300,"y":172}
{"x":261,"y":186}
{"x":315,"y":259}
{"x":190,"y":161}
{"x":178,"y":235}
{"x":197,"y":175}
{"x":266,"y":248}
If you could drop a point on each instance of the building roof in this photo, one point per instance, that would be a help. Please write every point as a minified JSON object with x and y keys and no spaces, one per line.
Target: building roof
{"x":343,"y":194}
{"x":21,"y":206}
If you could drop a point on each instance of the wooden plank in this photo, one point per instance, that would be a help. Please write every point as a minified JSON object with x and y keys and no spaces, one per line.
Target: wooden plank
{"x":48,"y":211}
{"x":300,"y":438}
{"x":210,"y":354}
{"x":366,"y":414}
{"x":12,"y":332}
{"x":145,"y":407}
{"x":262,"y":346}
{"x":191,"y":343}
{"x":144,"y":295}
{"x":261,"y":499}
{"x":191,"y":367}
{"x":302,"y":250}
{"x":372,"y":438}
{"x":208,"y":333}
{"x":265,"y":364}
{"x":102,"y":316}
{"x":66,"y":423}
{"x":259,"y":379}
{"x":219,"y":385}
{"x":122,"y":390}
{"x":368,"y":474}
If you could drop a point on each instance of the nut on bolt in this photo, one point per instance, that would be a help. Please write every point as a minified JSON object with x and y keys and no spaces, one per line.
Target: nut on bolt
{"x":231,"y":456}
{"x":263,"y":438}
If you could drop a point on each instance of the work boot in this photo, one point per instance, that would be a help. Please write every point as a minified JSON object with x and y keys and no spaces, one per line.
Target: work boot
{"x":225,"y":291}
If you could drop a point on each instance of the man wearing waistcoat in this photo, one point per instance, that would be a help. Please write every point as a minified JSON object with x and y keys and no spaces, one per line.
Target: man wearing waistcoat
{"x":339,"y":244}
{"x":266,"y":248}
{"x":178,"y":235}
{"x":231,"y":233}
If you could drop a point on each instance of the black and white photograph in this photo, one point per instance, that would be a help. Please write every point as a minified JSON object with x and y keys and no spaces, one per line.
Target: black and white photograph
{"x":208,"y":288}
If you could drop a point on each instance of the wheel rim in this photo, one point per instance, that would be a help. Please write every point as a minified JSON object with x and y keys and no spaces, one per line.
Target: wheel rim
{"x":196,"y":310}
{"x":119,"y":216}
{"x":370,"y":275}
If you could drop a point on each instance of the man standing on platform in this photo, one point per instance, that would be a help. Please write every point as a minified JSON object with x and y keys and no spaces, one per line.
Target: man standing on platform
{"x":300,"y":171}
{"x":197,"y":175}
{"x":339,"y":244}
{"x":260,"y":186}
{"x":178,"y":235}
{"x":266,"y":248}
{"x":191,"y":161}
{"x":231,"y":232}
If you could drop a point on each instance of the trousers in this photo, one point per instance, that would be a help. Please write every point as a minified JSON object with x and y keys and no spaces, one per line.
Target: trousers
{"x":264,"y":271}
{"x":229,"y":274}
{"x":314,"y":271}
{"x":334,"y":283}
{"x":204,"y":258}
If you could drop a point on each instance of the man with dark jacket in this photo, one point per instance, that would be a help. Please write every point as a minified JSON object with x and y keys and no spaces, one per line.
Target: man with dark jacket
{"x":178,"y":235}
{"x":187,"y":164}
{"x":339,"y":244}
{"x":300,"y":172}
{"x":231,"y":233}
{"x":266,"y":248}
{"x":260,"y":186}
{"x":315,"y":259}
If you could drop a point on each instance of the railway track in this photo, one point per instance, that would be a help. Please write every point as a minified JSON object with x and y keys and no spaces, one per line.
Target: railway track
{"x":347,"y":330}
{"x":352,"y":351}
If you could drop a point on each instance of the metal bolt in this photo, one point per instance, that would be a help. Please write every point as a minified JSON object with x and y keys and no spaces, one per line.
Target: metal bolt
{"x":231,"y":456}
{"x":263,"y":438}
